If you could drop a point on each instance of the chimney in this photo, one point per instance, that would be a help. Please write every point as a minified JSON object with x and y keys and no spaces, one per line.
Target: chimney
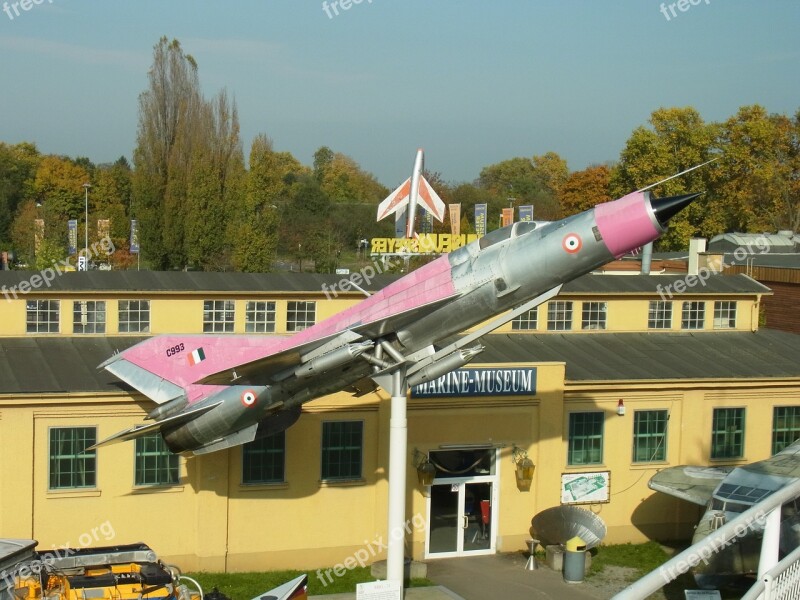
{"x":696,"y":246}
{"x":647,"y":258}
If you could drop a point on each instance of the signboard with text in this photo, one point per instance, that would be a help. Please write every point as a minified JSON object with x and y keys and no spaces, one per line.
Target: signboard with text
{"x":480,"y":382}
{"x":585,"y":488}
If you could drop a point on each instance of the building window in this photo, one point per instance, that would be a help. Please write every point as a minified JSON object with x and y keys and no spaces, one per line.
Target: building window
{"x":585,"y":438}
{"x":650,"y":435}
{"x":660,"y":315}
{"x":89,"y":316}
{"x":594,"y":315}
{"x":727,"y":434}
{"x":155,"y":464}
{"x":42,"y":316}
{"x":263,"y":459}
{"x":693,"y":315}
{"x":70,"y":465}
{"x":134,"y":316}
{"x":525,"y":321}
{"x":300,"y":315}
{"x":259,"y":317}
{"x":342,"y":444}
{"x":725,"y":314}
{"x":559,"y":315}
{"x":785,"y":426}
{"x":218,"y":316}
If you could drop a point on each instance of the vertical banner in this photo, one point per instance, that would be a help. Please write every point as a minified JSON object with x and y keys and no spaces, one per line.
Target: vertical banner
{"x":455,"y":219}
{"x":134,"y":236}
{"x":526,"y":213}
{"x":480,"y":220}
{"x":427,"y":222}
{"x":103,"y":228}
{"x":38,"y":234}
{"x":508,"y":216}
{"x":72,"y":237}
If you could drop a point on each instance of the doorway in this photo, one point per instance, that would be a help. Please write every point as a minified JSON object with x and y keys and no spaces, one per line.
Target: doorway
{"x":463,"y":504}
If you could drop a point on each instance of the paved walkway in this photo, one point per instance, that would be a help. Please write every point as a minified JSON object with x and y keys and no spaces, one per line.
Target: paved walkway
{"x":492,"y":577}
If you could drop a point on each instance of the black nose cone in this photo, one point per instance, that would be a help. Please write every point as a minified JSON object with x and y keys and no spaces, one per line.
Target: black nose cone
{"x":666,"y":208}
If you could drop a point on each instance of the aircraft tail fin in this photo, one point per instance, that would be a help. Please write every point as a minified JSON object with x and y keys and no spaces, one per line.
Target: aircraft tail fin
{"x":152,"y":385}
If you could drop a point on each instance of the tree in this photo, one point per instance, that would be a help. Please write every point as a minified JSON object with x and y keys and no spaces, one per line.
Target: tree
{"x":584,"y":189}
{"x":168,"y":115}
{"x":343,"y":180}
{"x":18,"y":164}
{"x":678,"y":140}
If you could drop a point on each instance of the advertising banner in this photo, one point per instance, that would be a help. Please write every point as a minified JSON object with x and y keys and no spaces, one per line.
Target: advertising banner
{"x":134,"y":236}
{"x":72,"y":237}
{"x":526,"y":213}
{"x":480,"y":220}
{"x":455,"y":219}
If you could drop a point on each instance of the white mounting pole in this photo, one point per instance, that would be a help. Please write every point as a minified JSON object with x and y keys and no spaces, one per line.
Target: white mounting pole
{"x":770,"y":542}
{"x":398,"y":445}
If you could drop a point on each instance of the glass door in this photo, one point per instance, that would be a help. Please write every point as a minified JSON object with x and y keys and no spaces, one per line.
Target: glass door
{"x":461,"y":510}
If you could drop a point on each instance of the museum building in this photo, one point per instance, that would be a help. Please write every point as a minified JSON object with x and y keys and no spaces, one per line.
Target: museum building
{"x":617,"y":377}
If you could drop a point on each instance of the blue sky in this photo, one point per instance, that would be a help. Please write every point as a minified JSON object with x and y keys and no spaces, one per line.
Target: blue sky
{"x":473,"y":82}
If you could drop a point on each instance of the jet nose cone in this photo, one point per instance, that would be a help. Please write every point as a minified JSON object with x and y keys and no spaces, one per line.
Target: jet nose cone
{"x":666,"y":208}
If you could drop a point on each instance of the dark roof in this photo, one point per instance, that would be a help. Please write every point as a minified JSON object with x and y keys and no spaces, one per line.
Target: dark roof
{"x":59,"y":364}
{"x":33,"y":365}
{"x":630,"y":356}
{"x":181,"y":281}
{"x":655,"y":284}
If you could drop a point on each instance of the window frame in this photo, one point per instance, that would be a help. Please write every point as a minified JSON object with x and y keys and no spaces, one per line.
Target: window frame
{"x":594,"y":312}
{"x":293,"y":309}
{"x":255,"y":317}
{"x":73,"y":456}
{"x":586,"y":438}
{"x":741,"y":416}
{"x":325,"y":475}
{"x":559,"y":312}
{"x":161,"y":454}
{"x":693,"y":315}
{"x":528,"y":321}
{"x":659,"y":314}
{"x":220,"y":317}
{"x":784,"y":430}
{"x":42,"y":313}
{"x":660,"y":454}
{"x":728,"y":310}
{"x":99,"y":326}
{"x":137,"y":325}
{"x":251,"y":450}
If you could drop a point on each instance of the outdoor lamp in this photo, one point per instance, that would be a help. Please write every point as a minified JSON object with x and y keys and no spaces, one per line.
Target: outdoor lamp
{"x":525,"y":467}
{"x":426,"y":472}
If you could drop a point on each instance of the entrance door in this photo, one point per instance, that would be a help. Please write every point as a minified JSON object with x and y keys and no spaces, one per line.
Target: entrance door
{"x":462,"y":514}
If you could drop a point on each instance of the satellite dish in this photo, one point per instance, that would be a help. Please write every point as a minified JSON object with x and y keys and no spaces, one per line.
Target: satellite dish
{"x":561,"y":523}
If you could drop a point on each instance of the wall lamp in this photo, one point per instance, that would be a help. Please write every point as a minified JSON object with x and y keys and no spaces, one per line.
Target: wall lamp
{"x":426,"y":472}
{"x":524,"y":470}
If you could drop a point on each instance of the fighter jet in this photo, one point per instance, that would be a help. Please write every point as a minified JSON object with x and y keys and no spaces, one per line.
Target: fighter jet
{"x":727,"y":492}
{"x":214,"y":392}
{"x":412,"y":192}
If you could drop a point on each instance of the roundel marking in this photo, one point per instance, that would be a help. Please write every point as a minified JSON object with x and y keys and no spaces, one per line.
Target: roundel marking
{"x":572,"y":243}
{"x":248,"y":398}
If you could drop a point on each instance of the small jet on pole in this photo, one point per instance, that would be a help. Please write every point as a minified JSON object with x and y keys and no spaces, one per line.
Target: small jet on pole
{"x":414,"y":191}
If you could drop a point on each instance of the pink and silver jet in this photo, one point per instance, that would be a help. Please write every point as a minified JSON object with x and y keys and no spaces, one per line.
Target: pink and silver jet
{"x":213,"y":392}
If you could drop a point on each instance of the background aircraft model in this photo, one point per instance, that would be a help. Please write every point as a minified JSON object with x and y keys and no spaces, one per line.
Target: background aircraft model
{"x":214,"y":392}
{"x":414,"y":191}
{"x":727,"y":492}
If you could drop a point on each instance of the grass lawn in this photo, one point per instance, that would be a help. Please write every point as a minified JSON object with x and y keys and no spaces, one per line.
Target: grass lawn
{"x":244,"y":586}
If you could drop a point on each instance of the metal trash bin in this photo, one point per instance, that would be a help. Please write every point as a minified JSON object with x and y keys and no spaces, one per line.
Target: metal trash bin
{"x":575,"y":560}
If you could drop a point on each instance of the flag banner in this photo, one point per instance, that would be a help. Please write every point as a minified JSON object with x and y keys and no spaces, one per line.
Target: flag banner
{"x":526,"y":213}
{"x":134,"y":236}
{"x":197,"y":356}
{"x":480,"y":220}
{"x":508,"y":216}
{"x":455,"y":219}
{"x":72,"y":236}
